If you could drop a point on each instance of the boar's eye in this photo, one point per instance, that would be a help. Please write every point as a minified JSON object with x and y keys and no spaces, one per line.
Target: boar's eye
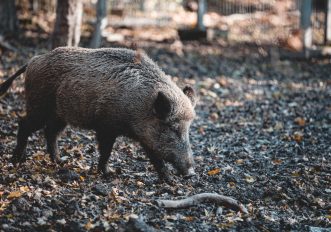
{"x":162,"y":106}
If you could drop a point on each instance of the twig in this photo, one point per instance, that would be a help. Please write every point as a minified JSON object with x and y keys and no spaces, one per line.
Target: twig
{"x":202,"y":198}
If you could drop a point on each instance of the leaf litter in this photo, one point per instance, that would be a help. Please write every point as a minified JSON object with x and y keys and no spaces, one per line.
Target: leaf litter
{"x":261,"y":136}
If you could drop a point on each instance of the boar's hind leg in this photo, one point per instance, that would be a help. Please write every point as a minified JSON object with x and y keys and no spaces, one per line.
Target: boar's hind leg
{"x":26,"y":127}
{"x":106,"y":142}
{"x":52,"y":130}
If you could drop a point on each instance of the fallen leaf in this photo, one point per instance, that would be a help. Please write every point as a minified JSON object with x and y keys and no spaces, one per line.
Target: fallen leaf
{"x":15,"y":194}
{"x":89,"y":225}
{"x":295,"y":174}
{"x":214,"y":171}
{"x":298,"y":136}
{"x":214,"y":117}
{"x":300,"y":121}
{"x":279,"y":126}
{"x":231,"y":185}
{"x":202,"y":130}
{"x":249,"y":179}
{"x":189,"y":218}
{"x":24,"y":189}
{"x":239,"y":161}
{"x":140,"y":184}
{"x":277,"y":161}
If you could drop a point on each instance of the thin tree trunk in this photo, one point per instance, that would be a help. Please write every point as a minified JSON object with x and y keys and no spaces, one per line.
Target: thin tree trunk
{"x":8,"y":19}
{"x":100,"y":24}
{"x":68,"y":23}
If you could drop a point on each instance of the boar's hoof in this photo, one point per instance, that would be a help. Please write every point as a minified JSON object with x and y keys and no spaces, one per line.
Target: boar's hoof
{"x":57,"y":160}
{"x":16,"y":160}
{"x":104,"y":171}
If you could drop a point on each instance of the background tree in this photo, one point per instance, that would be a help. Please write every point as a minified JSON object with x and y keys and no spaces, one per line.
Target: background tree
{"x":68,"y":23}
{"x":100,"y":24}
{"x":8,"y":19}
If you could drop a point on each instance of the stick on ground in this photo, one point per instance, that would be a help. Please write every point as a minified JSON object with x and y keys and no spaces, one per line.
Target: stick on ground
{"x":203,"y":198}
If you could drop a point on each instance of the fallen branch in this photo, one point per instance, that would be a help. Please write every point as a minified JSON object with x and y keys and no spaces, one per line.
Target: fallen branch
{"x":203,"y":198}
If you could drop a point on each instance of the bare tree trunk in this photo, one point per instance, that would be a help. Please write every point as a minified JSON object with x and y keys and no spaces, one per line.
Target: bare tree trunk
{"x":8,"y":19}
{"x":100,"y":24}
{"x":68,"y":23}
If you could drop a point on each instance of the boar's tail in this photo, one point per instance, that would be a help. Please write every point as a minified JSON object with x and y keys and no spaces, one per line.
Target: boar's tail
{"x":5,"y":85}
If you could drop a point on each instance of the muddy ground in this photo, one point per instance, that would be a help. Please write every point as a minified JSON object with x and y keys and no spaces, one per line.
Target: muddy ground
{"x":262,"y":135}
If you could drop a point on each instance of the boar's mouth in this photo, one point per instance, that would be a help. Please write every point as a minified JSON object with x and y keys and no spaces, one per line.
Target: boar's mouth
{"x":183,"y":167}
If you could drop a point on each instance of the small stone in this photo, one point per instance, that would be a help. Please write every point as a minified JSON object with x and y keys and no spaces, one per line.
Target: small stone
{"x":214,"y":116}
{"x":41,"y":221}
{"x":100,"y":189}
{"x":61,"y":221}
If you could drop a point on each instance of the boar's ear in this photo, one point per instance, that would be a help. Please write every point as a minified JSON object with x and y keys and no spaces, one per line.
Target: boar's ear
{"x":162,"y":106}
{"x":190,"y":93}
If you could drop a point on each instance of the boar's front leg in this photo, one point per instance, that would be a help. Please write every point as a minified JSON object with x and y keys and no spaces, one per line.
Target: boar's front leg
{"x":106,"y":142}
{"x":52,"y":131}
{"x":159,"y":166}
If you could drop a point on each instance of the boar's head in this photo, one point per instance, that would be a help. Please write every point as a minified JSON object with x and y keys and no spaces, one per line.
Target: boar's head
{"x":166,"y":131}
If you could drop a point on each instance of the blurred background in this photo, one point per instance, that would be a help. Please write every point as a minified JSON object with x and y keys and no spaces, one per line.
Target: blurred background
{"x":273,"y":22}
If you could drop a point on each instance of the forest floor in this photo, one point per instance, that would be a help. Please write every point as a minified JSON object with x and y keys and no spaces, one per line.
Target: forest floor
{"x":262,"y":135}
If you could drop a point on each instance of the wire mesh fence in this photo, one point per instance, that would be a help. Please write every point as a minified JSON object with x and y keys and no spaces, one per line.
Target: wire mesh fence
{"x":240,"y":20}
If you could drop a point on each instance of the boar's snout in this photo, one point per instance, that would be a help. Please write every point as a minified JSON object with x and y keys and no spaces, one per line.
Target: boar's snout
{"x":185,"y":165}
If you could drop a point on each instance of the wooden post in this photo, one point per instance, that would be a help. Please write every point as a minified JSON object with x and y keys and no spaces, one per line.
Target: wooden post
{"x":201,"y":12}
{"x":327,"y":32}
{"x":305,"y":23}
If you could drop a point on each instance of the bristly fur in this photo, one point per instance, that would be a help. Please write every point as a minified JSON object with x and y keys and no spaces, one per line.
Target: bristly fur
{"x":138,"y":56}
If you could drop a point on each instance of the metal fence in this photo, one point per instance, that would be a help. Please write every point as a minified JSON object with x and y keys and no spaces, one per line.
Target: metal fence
{"x":264,"y":20}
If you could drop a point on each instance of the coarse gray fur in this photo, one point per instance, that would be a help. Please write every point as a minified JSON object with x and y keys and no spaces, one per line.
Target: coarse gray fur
{"x":114,"y":91}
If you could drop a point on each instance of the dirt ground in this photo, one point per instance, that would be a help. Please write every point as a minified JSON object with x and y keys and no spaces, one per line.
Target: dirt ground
{"x":262,"y":135}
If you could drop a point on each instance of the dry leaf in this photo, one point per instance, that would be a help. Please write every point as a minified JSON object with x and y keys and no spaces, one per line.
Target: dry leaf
{"x":214,"y":171}
{"x":279,"y":126}
{"x":298,"y":137}
{"x":239,"y":161}
{"x":277,"y":161}
{"x":15,"y":194}
{"x":231,"y":185}
{"x":295,"y":174}
{"x":189,"y":218}
{"x":88,"y":225}
{"x":300,"y":121}
{"x":202,"y":130}
{"x":24,"y":189}
{"x":249,"y":179}
{"x":214,"y":117}
{"x":140,"y":184}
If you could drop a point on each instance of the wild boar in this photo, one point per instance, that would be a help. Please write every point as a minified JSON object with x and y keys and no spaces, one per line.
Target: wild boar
{"x":113,"y":91}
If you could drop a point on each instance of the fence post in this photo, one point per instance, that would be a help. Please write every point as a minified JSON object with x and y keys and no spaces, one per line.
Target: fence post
{"x":327,"y":32}
{"x":201,"y":11}
{"x":305,"y":23}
